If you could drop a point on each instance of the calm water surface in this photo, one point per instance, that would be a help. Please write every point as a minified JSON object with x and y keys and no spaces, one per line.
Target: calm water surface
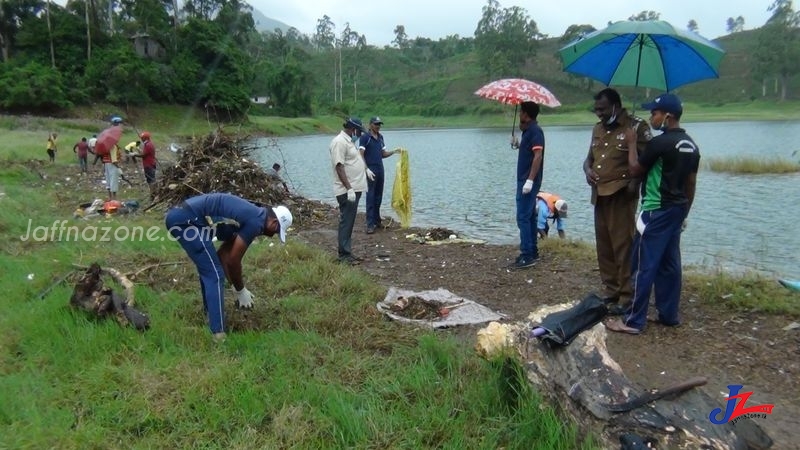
{"x":464,"y":180}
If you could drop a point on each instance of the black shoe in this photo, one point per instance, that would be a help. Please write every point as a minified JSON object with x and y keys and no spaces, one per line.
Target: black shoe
{"x":524,"y":262}
{"x":350,"y":260}
{"x":370,"y":229}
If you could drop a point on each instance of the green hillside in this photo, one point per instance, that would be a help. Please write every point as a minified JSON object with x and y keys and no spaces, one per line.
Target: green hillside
{"x":403,"y":82}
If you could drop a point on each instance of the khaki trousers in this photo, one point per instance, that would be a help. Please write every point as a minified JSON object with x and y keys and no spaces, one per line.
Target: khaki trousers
{"x":614,"y":228}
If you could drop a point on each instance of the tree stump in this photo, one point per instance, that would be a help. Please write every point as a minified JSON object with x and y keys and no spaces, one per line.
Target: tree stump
{"x":89,"y":294}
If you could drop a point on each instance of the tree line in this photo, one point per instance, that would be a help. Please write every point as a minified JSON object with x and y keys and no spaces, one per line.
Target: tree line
{"x":208,"y":53}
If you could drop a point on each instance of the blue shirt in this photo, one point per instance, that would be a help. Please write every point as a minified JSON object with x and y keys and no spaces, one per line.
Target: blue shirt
{"x":373,"y":151}
{"x":532,"y":138}
{"x":249,"y":218}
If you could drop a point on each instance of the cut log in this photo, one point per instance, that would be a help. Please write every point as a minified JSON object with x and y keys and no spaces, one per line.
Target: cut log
{"x":585,"y":384}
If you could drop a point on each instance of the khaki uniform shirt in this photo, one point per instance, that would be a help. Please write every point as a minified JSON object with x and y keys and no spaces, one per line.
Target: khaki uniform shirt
{"x":609,"y":152}
{"x":344,"y":152}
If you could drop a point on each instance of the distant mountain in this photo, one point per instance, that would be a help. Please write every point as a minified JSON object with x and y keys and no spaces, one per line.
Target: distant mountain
{"x":264,"y":23}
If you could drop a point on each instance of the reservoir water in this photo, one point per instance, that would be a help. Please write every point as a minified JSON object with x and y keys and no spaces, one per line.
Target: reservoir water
{"x":463,"y":179}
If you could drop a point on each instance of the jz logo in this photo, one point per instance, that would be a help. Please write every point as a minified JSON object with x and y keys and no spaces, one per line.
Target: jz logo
{"x":736,"y":408}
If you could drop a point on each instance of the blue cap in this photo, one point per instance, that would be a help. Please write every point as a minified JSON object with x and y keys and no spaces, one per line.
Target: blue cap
{"x":669,"y":103}
{"x":353,"y":122}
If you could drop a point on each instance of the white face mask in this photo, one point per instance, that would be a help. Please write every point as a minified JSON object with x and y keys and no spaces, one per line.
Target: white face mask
{"x":354,"y":138}
{"x":613,"y":117}
{"x":663,"y":125}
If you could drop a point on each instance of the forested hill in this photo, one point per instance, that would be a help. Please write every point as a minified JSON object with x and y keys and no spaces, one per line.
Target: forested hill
{"x":405,"y":82}
{"x":210,"y":54}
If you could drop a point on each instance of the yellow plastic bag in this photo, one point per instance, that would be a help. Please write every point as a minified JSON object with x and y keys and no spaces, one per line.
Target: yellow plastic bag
{"x":401,"y":191}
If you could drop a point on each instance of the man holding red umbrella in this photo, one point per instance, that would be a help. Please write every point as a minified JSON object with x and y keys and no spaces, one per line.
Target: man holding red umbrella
{"x":106,"y":147}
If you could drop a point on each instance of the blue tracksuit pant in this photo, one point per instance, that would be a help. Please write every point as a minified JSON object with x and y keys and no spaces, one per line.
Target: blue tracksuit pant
{"x":195,"y":236}
{"x":656,"y":261}
{"x":526,"y":221}
{"x":375,"y":197}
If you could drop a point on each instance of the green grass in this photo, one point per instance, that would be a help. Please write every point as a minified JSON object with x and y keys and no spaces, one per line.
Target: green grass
{"x":750,"y":291}
{"x":319,"y":369}
{"x":753,"y":165}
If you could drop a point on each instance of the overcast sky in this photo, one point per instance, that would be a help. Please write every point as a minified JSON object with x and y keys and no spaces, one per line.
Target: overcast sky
{"x":435,"y":19}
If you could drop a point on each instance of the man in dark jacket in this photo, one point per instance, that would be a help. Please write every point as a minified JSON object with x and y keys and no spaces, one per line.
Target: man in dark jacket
{"x":669,"y":165}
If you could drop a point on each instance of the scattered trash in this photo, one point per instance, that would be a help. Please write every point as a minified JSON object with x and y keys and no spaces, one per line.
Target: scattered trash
{"x":100,"y":207}
{"x":438,"y":236}
{"x":436,"y":308}
{"x":792,"y":285}
{"x":791,"y":326}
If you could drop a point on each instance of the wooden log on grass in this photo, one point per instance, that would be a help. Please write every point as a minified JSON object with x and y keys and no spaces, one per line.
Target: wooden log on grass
{"x":91,"y":295}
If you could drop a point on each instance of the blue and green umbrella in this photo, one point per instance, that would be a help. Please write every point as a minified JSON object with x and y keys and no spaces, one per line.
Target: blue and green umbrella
{"x":650,"y":53}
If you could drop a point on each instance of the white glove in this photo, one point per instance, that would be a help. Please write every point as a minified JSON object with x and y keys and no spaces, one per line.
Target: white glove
{"x":370,"y":175}
{"x":527,"y":187}
{"x":351,"y":195}
{"x":244,"y":299}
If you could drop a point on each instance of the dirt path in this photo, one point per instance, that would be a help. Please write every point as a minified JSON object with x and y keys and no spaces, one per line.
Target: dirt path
{"x":727,"y":347}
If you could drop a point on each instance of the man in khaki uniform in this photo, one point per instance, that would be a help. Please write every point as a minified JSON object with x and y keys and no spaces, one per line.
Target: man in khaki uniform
{"x":615,"y":193}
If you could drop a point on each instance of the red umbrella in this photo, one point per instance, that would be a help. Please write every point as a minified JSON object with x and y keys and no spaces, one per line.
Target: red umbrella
{"x":513,"y":91}
{"x":108,"y":139}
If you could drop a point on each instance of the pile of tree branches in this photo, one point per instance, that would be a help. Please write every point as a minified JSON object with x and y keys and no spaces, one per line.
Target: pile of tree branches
{"x":218,"y":162}
{"x":223,"y":162}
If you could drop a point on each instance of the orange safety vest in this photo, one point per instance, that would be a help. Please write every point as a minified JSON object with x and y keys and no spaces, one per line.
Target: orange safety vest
{"x":551,"y":200}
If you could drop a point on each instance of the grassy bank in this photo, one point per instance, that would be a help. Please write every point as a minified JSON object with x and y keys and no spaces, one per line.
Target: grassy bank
{"x":327,"y":371}
{"x":179,"y":122}
{"x":754,"y":166}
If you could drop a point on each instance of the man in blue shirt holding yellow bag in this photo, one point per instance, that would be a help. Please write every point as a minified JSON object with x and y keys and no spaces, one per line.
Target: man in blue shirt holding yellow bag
{"x":373,"y":149}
